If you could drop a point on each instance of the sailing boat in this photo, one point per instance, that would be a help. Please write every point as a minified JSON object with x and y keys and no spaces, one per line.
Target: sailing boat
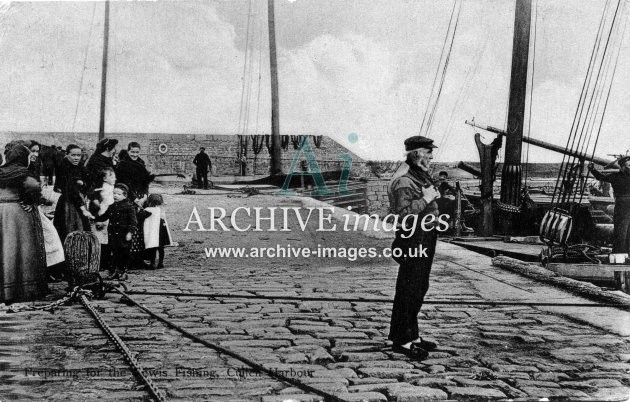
{"x":511,"y":203}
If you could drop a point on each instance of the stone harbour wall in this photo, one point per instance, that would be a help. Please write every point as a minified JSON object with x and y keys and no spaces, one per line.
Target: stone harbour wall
{"x":376,"y":193}
{"x":180,"y":149}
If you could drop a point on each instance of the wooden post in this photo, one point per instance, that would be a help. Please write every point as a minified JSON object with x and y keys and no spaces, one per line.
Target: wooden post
{"x":276,"y":155}
{"x":458,"y":209}
{"x":469,"y":169}
{"x":101,"y":126}
{"x":487,"y":157}
{"x":512,"y":171}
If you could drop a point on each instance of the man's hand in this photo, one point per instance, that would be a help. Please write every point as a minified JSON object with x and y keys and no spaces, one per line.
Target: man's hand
{"x":128,"y":237}
{"x":429,"y":194}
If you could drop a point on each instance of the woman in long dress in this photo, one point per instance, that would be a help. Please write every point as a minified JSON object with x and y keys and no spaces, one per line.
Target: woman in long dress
{"x":71,"y":212}
{"x":22,"y":253}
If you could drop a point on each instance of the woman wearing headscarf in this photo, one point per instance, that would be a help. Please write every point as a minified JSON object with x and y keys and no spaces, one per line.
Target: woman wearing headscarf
{"x":132,"y":171}
{"x":35,"y":162}
{"x":71,"y":213}
{"x":102,"y":158}
{"x":22,"y":253}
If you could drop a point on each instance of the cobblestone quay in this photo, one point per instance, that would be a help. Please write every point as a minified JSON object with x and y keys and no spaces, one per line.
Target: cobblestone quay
{"x":485,"y":352}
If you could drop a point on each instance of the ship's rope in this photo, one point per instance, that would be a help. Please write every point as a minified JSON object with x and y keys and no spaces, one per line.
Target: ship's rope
{"x":570,"y":167}
{"x":612,"y":78}
{"x":464,"y":95}
{"x":245,"y":60}
{"x":593,"y":110}
{"x":531,"y":91}
{"x":85,"y":55}
{"x":260,"y":35}
{"x":250,"y":83}
{"x":442,"y":68}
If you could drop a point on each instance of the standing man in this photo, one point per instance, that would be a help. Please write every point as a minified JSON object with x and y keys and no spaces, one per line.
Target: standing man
{"x":411,"y":192}
{"x":446,"y":202}
{"x":203,"y":164}
{"x":620,"y":182}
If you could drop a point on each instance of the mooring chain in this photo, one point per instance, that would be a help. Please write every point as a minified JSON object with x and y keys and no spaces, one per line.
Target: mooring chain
{"x":51,"y":307}
{"x":274,"y":374}
{"x":155,"y":392}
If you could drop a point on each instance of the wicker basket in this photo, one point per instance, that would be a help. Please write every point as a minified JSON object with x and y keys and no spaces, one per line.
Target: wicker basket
{"x":83,"y":254}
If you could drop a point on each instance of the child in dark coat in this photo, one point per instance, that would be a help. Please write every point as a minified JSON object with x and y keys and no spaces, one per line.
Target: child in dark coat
{"x":122,"y":225}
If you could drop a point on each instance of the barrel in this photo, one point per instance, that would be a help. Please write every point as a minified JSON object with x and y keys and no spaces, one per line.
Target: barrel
{"x":83,"y":253}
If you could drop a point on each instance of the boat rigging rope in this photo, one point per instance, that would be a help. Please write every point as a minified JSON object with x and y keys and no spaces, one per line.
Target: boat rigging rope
{"x":250,"y":83}
{"x":259,"y":79}
{"x":570,"y":171}
{"x":85,"y":55}
{"x":598,"y":88}
{"x":531,"y":92}
{"x":578,"y":111}
{"x":272,"y":373}
{"x":463,"y":96}
{"x":612,"y":78}
{"x":442,"y":66}
{"x":245,"y":59}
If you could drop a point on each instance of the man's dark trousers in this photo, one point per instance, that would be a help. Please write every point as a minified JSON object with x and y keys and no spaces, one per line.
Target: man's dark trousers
{"x":411,"y":286}
{"x":202,"y":178}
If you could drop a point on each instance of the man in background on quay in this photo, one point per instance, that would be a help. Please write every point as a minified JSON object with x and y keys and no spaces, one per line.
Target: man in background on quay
{"x":203,"y":164}
{"x":620,"y":182}
{"x":412,"y":192}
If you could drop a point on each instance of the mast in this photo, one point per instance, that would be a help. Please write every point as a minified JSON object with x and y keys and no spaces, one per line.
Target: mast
{"x":512,"y":171}
{"x":101,"y":127}
{"x":276,"y":162}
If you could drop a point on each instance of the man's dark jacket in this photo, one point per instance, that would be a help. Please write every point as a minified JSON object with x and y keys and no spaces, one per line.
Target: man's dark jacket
{"x":135,"y":175}
{"x":202,"y":161}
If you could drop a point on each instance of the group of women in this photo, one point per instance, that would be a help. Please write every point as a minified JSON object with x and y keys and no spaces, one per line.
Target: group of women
{"x":26,"y":249}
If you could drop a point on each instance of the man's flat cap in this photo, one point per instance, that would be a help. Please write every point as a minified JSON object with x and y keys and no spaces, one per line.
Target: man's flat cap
{"x":418,"y":141}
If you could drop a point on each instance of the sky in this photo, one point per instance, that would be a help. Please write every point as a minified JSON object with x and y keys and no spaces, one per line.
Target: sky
{"x":345,"y":66}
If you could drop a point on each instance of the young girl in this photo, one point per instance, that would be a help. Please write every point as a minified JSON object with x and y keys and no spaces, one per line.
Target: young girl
{"x":122,"y":225}
{"x":137,"y":240}
{"x":101,"y":199}
{"x":71,"y":213}
{"x":156,"y":233}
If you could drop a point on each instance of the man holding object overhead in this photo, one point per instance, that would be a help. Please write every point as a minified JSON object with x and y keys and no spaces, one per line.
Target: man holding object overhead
{"x":411,"y":192}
